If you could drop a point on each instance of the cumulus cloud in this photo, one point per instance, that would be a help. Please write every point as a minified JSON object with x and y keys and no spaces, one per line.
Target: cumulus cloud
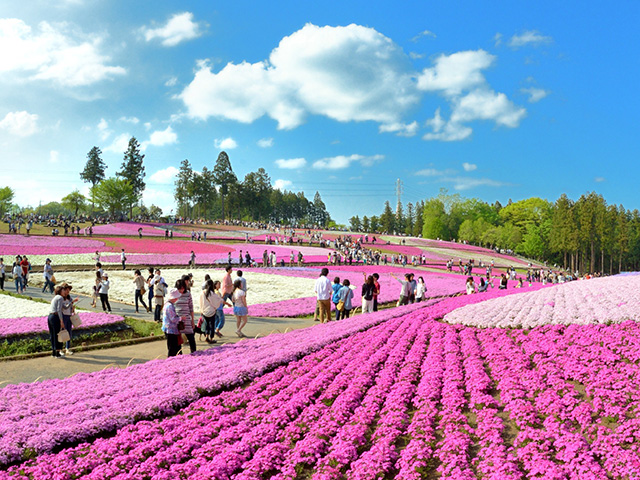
{"x":165,"y":176}
{"x":119,"y":144}
{"x":54,"y":52}
{"x":400,"y":129}
{"x":179,"y":28}
{"x":103,"y":129}
{"x":160,"y":138}
{"x":341,"y":161}
{"x":265,"y":142}
{"x":530,"y":37}
{"x":454,"y":73}
{"x":282,"y":184}
{"x":292,"y":163}
{"x":469,"y":167}
{"x":54,"y":156}
{"x":225,"y":143}
{"x":535,"y":94}
{"x":21,"y":124}
{"x":350,"y":73}
{"x":171,"y":82}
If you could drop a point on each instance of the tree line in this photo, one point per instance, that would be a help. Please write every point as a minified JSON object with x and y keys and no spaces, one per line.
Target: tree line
{"x":587,"y":235}
{"x":217,"y":193}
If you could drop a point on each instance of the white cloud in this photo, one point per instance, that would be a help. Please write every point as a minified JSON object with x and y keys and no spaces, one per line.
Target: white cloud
{"x":165,"y":176}
{"x":162,"y":197}
{"x":416,"y":56}
{"x":119,"y":144}
{"x":54,"y":156}
{"x":433,"y":172}
{"x":469,"y":167}
{"x":425,"y":33}
{"x":341,"y":161}
{"x":483,"y":104}
{"x":454,"y":73}
{"x":497,"y":39}
{"x":400,"y":129}
{"x":160,"y":138}
{"x":225,"y":143}
{"x":282,"y":184}
{"x":171,"y":82}
{"x":292,"y":163}
{"x":53,"y":52}
{"x":530,"y":37}
{"x":466,"y":183}
{"x":599,"y":179}
{"x":265,"y":142}
{"x":103,"y":128}
{"x":179,"y":28}
{"x":350,"y":73}
{"x":20,"y":124}
{"x":133,"y":120}
{"x":535,"y":94}
{"x":446,"y":131}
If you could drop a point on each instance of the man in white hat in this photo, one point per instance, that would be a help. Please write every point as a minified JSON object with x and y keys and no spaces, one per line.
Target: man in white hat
{"x":170,"y":320}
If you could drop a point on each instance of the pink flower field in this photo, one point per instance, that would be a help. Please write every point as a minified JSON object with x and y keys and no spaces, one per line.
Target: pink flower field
{"x":40,"y":245}
{"x":131,"y":228}
{"x":10,"y":327}
{"x":397,"y":394}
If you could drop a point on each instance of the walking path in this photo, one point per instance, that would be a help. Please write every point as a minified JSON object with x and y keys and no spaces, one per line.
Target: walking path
{"x":41,"y":368}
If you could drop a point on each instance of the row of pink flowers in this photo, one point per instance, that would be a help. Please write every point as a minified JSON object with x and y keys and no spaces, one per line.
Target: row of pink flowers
{"x":408,"y":398}
{"x":33,"y":325}
{"x":598,"y":300}
{"x":131,"y":228}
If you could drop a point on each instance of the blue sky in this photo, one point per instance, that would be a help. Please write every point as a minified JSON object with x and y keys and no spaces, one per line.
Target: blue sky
{"x":494,"y":100}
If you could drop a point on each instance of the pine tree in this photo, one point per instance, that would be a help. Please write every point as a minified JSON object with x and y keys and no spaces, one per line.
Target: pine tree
{"x":133,"y":170}
{"x":224,"y":177}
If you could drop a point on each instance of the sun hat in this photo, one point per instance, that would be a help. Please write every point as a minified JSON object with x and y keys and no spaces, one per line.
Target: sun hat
{"x":105,"y":274}
{"x":174,"y":294}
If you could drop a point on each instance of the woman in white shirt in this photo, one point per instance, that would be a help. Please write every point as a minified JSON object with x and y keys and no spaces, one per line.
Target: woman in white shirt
{"x":421,"y":289}
{"x":210,"y":301}
{"x":104,"y":293}
{"x":240,"y":310}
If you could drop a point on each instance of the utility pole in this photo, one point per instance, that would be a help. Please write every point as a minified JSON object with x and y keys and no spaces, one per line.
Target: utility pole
{"x":399,"y":191}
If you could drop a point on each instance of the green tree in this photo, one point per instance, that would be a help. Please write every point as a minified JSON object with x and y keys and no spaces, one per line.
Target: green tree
{"x":435,"y":220}
{"x":387,"y":219}
{"x":355,"y":225}
{"x":74,"y":201}
{"x":204,"y":191}
{"x":133,"y":170}
{"x":257,"y":188}
{"x":365,"y":224}
{"x":320,"y":214}
{"x":419,"y":223}
{"x":95,"y":167}
{"x":6,"y":198}
{"x":113,"y":195}
{"x":224,"y":177}
{"x":183,"y":190}
{"x":374,"y":223}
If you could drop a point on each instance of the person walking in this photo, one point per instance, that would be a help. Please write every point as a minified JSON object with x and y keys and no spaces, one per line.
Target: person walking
{"x":150,"y":286}
{"x":240,"y":310}
{"x":104,"y":292}
{"x":139,"y":282}
{"x":335,"y":296}
{"x":376,"y":283}
{"x":368,"y":289}
{"x":159,"y":291}
{"x":421,"y":289}
{"x":184,"y":308}
{"x":192,"y":260}
{"x":95,"y":290}
{"x":210,"y":301}
{"x":170,"y":321}
{"x":3,"y":274}
{"x":242,"y":280}
{"x":323,"y":295}
{"x":68,"y":309}
{"x":17,"y":277}
{"x":404,"y":290}
{"x":123,"y":260}
{"x":227,"y":283}
{"x":346,"y":295}
{"x":48,"y":275}
{"x":56,"y":322}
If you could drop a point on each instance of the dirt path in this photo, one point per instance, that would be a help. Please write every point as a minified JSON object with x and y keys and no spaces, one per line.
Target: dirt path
{"x":34,"y":369}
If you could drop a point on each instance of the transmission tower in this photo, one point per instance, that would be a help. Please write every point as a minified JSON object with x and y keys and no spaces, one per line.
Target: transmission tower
{"x":399,"y":191}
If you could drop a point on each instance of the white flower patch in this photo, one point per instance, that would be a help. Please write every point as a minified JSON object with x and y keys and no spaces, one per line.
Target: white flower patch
{"x":12,"y":307}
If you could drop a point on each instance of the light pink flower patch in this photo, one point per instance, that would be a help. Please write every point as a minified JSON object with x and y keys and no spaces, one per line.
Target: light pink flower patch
{"x":41,"y":245}
{"x":31,"y":325}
